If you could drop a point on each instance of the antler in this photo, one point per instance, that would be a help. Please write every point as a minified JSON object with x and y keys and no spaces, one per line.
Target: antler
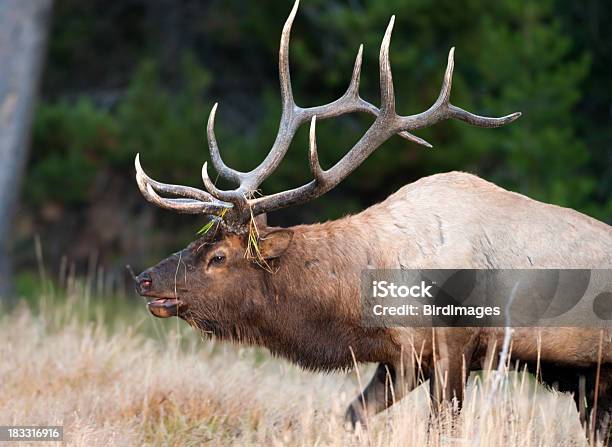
{"x":292,"y":117}
{"x":196,"y":201}
{"x":386,"y":124}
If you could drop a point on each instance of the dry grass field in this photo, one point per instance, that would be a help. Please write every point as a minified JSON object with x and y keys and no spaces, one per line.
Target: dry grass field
{"x":133,"y":380}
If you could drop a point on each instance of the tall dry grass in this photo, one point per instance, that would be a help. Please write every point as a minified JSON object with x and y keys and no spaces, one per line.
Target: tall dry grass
{"x":143,"y":382}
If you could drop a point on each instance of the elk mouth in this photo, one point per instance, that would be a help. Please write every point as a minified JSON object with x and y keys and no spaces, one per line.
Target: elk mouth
{"x":165,"y":307}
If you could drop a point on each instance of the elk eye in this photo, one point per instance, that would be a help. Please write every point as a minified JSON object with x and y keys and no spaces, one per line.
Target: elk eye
{"x":216,"y":260}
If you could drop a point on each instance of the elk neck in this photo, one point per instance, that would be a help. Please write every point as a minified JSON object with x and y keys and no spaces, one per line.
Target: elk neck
{"x":312,"y":311}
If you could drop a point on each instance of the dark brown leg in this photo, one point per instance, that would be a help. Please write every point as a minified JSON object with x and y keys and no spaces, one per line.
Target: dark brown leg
{"x":389,"y":385}
{"x":451,"y":366}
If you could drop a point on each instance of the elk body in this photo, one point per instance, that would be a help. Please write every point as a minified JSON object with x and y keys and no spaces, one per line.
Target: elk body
{"x":298,"y":294}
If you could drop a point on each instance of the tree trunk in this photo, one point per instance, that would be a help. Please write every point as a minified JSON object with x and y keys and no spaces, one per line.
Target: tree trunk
{"x":24,"y":28}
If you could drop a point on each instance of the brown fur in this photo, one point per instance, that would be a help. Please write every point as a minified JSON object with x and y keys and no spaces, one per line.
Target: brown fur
{"x":305,"y":305}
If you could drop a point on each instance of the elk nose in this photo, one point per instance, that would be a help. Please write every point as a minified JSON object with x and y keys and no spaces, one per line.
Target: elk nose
{"x":143,"y":283}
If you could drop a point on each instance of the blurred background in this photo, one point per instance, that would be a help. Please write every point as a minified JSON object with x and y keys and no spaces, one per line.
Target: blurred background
{"x":140,"y":76}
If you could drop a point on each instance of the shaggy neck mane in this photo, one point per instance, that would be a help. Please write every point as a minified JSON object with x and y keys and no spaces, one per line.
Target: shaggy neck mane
{"x":312,"y":312}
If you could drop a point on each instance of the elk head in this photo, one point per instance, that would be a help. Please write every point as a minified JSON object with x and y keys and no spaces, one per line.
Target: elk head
{"x":212,"y":279}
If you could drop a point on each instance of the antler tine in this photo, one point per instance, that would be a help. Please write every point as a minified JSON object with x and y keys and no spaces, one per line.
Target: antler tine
{"x":223,"y":170}
{"x":186,"y":206}
{"x":387,"y":95}
{"x":177,"y":190}
{"x":353,"y":91}
{"x":481,"y":121}
{"x":283,"y":60}
{"x":353,"y":88}
{"x":197,"y":201}
{"x":210,"y":186}
{"x":315,"y":166}
{"x":238,"y":196}
{"x":447,"y":83}
{"x":349,"y":102}
{"x":442,"y":109}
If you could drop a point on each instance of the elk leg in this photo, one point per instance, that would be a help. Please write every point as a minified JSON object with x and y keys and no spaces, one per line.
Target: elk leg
{"x":385,"y":388}
{"x":446,"y":381}
{"x":450,"y":369}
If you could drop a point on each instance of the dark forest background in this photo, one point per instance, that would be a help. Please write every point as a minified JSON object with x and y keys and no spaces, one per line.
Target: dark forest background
{"x":130,"y":76}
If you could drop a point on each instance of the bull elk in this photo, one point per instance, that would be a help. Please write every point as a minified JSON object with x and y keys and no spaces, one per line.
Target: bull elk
{"x":297,"y":293}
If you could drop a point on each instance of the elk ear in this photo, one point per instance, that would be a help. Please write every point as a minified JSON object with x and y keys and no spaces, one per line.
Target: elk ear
{"x":273,"y":244}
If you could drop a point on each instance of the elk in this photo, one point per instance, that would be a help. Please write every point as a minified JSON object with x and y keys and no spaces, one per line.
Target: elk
{"x":296,"y":290}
